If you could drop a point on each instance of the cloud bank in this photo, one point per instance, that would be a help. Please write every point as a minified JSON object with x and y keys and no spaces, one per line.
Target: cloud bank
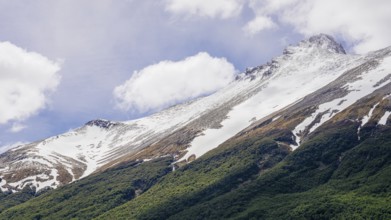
{"x":167,"y":82}
{"x":26,"y":78}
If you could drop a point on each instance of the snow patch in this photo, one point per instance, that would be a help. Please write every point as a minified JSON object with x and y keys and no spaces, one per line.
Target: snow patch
{"x":363,"y":86}
{"x":2,"y":185}
{"x":275,"y":118}
{"x":383,"y":119}
{"x":365,"y":119}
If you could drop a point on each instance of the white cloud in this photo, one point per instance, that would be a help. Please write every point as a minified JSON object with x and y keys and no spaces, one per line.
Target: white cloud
{"x":16,"y":127}
{"x":25,"y":80}
{"x":168,"y":82}
{"x":258,"y":24}
{"x":215,"y":8}
{"x":364,"y":23}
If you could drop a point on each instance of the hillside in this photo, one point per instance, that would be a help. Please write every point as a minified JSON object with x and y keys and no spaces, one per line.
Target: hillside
{"x":306,"y":136}
{"x":185,"y":131}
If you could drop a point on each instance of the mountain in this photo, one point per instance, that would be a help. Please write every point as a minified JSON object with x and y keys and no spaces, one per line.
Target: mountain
{"x":65,"y":158}
{"x":312,"y":123}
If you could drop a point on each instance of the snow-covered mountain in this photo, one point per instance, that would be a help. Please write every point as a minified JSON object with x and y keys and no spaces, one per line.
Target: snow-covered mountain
{"x":316,"y":67}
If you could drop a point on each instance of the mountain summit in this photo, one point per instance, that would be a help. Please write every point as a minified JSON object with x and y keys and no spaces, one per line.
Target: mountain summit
{"x":327,"y":42}
{"x":321,"y":43}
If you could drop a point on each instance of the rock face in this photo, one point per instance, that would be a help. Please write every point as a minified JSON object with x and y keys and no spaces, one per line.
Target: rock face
{"x":102,"y":123}
{"x":316,"y":77}
{"x":326,"y":42}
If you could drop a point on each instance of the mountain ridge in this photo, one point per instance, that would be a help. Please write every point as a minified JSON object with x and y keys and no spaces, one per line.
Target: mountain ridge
{"x":307,"y":137}
{"x":197,"y":123}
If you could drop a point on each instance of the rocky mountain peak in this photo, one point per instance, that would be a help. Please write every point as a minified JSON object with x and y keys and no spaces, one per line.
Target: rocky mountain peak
{"x":325,"y":42}
{"x":321,"y":44}
{"x":321,"y":41}
{"x":101,"y":123}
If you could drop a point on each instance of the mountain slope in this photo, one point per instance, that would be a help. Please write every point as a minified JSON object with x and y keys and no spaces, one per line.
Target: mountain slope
{"x":332,"y":175}
{"x":323,"y":155}
{"x":345,"y":161}
{"x":185,"y":131}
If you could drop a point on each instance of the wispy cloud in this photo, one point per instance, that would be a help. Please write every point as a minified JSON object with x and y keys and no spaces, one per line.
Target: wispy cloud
{"x":17,"y":127}
{"x":214,"y":9}
{"x":362,"y":23}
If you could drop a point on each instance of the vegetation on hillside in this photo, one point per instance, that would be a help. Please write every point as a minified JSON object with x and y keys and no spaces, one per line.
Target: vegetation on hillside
{"x":93,"y":195}
{"x":332,"y":175}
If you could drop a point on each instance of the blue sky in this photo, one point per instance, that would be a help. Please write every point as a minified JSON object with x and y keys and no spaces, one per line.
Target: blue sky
{"x":67,"y":61}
